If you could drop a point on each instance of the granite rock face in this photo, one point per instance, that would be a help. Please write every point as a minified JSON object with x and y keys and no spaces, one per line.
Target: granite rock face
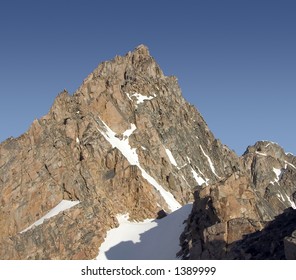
{"x":127,"y":142}
{"x":241,"y":216}
{"x":273,"y":174}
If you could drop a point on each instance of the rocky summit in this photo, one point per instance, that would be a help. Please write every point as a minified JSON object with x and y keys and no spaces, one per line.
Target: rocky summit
{"x":126,"y":142}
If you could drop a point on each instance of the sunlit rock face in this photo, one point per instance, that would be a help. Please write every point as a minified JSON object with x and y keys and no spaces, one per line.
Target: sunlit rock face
{"x":126,"y":142}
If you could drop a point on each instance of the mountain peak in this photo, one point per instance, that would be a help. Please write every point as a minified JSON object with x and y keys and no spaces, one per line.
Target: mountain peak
{"x":142,"y":49}
{"x":266,"y":148}
{"x":127,"y":142}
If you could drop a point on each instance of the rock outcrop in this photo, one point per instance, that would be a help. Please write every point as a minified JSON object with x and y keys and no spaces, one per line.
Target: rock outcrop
{"x":127,"y":142}
{"x":249,"y":215}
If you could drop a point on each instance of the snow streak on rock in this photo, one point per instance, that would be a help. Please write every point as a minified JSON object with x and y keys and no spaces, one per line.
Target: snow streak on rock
{"x":62,"y":206}
{"x":209,"y":161}
{"x":278,"y":172}
{"x":261,"y":154}
{"x":288,"y":163}
{"x":197,"y":178}
{"x":293,"y":205}
{"x":171,"y":157}
{"x":200,"y":180}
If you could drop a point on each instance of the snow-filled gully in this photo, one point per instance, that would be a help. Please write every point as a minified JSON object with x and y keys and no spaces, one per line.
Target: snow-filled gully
{"x":131,"y":155}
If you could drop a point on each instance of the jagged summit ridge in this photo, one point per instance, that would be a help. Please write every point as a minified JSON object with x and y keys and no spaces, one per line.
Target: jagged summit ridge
{"x":135,"y":66}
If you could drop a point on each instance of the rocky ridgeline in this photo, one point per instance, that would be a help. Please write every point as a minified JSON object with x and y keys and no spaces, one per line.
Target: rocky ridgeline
{"x":127,"y":142}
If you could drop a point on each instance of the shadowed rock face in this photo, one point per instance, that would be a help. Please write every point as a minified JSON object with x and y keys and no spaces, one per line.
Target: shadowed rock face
{"x":275,"y":241}
{"x":241,"y":217}
{"x":127,"y":142}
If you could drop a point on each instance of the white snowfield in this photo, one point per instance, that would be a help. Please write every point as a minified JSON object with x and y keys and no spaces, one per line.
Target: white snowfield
{"x":139,"y":98}
{"x":62,"y":206}
{"x":148,"y":240}
{"x":131,"y":155}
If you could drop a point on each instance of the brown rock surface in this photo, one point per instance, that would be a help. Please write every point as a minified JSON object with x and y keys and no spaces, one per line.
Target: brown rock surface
{"x":67,"y":155}
{"x":251,"y":201}
{"x":127,"y":142}
{"x":222,"y":214}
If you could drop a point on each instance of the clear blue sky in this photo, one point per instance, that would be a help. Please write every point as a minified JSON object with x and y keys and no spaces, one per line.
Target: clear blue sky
{"x":235,"y":60}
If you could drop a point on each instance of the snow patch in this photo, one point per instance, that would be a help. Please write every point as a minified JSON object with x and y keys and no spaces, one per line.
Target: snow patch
{"x":139,"y":98}
{"x":207,"y":180}
{"x":170,"y":156}
{"x":77,"y":140}
{"x":147,"y":240}
{"x":210,"y":162}
{"x":62,"y":206}
{"x":123,"y":145}
{"x":131,"y":155}
{"x":198,"y":178}
{"x":130,"y":131}
{"x":277,"y":173}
